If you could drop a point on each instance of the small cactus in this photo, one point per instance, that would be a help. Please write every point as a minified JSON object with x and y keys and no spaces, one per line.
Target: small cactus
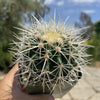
{"x":50,"y":55}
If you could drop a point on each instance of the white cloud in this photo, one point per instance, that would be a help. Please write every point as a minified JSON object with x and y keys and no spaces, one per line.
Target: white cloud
{"x":85,"y":1}
{"x":89,"y":11}
{"x":60,"y":3}
{"x":49,"y":1}
{"x":55,"y":2}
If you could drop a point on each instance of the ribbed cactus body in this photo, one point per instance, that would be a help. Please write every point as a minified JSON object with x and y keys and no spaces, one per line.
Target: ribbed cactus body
{"x":49,"y":54}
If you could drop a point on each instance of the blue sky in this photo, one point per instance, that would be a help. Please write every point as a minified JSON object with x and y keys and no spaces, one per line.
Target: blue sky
{"x":73,"y":8}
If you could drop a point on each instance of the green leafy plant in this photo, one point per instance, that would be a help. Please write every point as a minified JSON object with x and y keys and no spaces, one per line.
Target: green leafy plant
{"x":13,"y":13}
{"x":95,"y":41}
{"x":50,"y":55}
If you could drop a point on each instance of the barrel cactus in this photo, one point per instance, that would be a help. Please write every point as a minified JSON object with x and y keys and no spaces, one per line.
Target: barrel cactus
{"x":50,"y":56}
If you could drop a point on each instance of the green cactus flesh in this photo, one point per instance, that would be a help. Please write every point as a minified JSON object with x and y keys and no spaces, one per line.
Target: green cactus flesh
{"x":50,"y":54}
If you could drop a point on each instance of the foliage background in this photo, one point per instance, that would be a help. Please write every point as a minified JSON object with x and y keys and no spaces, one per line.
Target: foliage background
{"x":13,"y":13}
{"x":95,"y":41}
{"x":93,"y":35}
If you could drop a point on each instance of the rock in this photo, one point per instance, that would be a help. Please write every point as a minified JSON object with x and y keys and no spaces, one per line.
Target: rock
{"x":96,"y":97}
{"x":66,"y":97}
{"x":82,"y":93}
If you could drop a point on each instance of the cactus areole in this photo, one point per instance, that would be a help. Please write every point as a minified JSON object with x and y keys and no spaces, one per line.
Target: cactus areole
{"x":50,"y":56}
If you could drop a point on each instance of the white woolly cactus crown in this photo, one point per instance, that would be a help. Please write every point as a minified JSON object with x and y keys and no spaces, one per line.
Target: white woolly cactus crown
{"x":50,"y":54}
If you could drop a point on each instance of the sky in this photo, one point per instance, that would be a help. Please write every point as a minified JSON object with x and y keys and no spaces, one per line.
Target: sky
{"x":73,"y":8}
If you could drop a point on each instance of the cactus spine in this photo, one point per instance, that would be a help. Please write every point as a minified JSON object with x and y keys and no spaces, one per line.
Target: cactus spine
{"x":50,"y":54}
